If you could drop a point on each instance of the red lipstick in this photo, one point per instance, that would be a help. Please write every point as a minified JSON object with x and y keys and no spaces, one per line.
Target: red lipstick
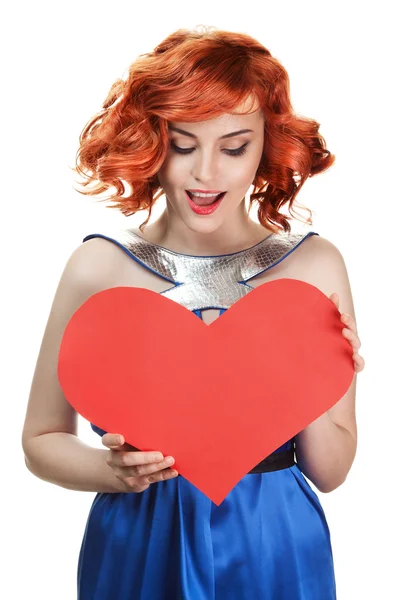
{"x":205,"y":210}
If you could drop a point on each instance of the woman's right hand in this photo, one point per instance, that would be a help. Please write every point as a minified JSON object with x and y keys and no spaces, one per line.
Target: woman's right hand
{"x":136,"y":470}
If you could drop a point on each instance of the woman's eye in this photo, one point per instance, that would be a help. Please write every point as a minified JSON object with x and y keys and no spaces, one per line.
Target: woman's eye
{"x":237,"y":152}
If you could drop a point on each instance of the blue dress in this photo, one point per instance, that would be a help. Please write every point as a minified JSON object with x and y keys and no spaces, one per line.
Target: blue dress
{"x":267,"y":540}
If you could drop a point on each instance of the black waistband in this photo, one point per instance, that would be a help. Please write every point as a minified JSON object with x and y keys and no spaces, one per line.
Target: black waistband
{"x":275,"y":462}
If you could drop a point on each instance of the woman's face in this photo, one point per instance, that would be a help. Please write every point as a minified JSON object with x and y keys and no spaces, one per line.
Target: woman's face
{"x":205,"y":156}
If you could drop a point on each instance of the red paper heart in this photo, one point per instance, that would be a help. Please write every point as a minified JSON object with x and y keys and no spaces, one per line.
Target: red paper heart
{"x":218,"y":397}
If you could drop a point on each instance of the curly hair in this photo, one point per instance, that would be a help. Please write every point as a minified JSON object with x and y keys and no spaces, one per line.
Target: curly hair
{"x":127,"y":141}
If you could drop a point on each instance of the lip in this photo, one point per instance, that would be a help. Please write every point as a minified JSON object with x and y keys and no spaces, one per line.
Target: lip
{"x":204,"y":210}
{"x":206,"y":191}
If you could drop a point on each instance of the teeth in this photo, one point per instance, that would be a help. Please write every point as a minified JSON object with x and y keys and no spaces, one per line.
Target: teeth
{"x":201,"y":195}
{"x":202,"y":199}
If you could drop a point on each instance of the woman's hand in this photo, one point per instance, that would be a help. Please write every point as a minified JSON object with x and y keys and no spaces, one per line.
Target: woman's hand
{"x":351,"y":334}
{"x":134,"y":469}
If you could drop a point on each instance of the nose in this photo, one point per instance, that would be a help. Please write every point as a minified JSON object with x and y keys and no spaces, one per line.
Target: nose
{"x":205,"y":167}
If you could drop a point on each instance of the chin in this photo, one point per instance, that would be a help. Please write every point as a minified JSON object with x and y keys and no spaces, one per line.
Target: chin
{"x":203,"y":226}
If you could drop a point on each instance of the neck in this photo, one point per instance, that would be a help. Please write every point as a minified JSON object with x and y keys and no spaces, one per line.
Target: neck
{"x":237,"y":234}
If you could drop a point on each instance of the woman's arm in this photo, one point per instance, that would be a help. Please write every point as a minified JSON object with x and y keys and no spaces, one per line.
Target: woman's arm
{"x":63,"y":459}
{"x":326,"y":449}
{"x":325,"y":452}
{"x":52,"y":449}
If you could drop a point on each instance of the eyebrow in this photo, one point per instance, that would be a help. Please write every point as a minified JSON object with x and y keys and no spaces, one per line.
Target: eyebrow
{"x":227,"y":135}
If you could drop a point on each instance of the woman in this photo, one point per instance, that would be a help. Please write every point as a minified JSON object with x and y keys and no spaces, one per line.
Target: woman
{"x":200,"y":119}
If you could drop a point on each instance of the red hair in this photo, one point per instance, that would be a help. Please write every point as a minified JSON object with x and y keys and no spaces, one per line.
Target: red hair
{"x":193,"y":76}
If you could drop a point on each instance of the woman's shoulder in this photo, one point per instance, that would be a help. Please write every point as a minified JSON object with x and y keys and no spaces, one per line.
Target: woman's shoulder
{"x":107,"y":259}
{"x":96,"y":262}
{"x":308,"y":257}
{"x":319,"y":251}
{"x":321,"y":264}
{"x":318,"y":242}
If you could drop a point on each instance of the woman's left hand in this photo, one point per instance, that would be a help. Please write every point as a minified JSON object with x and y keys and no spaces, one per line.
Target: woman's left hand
{"x":351,"y":335}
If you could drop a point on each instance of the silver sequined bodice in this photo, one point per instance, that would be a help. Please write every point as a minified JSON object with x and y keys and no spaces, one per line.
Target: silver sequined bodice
{"x":200,"y":282}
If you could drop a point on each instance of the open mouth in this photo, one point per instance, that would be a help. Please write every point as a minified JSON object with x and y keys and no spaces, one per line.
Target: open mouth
{"x":201,"y":201}
{"x":204,"y":206}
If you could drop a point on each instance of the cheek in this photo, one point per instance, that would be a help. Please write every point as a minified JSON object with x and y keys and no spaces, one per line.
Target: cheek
{"x":172,"y":174}
{"x":244,"y":174}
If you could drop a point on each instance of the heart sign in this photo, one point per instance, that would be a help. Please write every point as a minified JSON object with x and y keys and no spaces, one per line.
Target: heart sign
{"x":218,"y":397}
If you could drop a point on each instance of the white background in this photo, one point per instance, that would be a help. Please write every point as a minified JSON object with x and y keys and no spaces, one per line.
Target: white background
{"x":346,"y":67}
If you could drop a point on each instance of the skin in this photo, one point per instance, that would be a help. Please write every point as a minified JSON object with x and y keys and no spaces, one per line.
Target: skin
{"x":228,"y":229}
{"x":210,"y":167}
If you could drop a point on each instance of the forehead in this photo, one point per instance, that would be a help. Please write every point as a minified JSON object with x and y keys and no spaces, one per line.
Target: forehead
{"x":226,"y":122}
